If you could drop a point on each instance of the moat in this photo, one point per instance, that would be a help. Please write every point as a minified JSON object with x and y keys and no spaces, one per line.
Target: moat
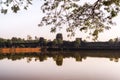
{"x":61,"y":65}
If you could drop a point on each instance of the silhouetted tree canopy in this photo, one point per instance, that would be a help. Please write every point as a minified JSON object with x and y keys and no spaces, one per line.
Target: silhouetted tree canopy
{"x":15,"y":5}
{"x":72,"y":14}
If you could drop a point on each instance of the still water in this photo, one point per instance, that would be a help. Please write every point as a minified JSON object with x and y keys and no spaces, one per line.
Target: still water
{"x":76,"y":65}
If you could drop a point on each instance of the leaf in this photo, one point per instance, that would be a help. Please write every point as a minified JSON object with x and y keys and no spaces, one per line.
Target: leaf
{"x":74,"y":5}
{"x":15,"y":8}
{"x":87,"y":23}
{"x":113,"y":13}
{"x":7,"y":5}
{"x":4,"y":11}
{"x":9,"y":1}
{"x":53,"y":29}
{"x":68,"y":35}
{"x":95,"y":33}
{"x":100,"y":30}
{"x":46,"y":3}
{"x":29,"y":2}
{"x":83,"y":28}
{"x":107,"y":3}
{"x":25,"y":8}
{"x":69,"y":30}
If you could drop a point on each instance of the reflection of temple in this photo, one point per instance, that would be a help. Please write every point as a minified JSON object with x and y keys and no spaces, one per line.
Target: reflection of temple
{"x":59,"y":56}
{"x":79,"y":57}
{"x":59,"y":60}
{"x":114,"y":59}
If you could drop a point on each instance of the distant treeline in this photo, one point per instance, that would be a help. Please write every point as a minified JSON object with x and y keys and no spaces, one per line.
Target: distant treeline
{"x":58,"y":43}
{"x":17,"y":42}
{"x":39,"y":42}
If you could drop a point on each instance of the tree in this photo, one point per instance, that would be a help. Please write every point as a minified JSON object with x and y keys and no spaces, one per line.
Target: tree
{"x":14,"y":39}
{"x":114,"y":40}
{"x":2,"y":42}
{"x":29,"y":37}
{"x":15,"y":5}
{"x":92,"y":18}
{"x":111,"y":41}
{"x":36,"y":38}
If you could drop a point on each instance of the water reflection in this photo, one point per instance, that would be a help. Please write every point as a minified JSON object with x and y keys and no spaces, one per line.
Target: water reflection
{"x":59,"y":56}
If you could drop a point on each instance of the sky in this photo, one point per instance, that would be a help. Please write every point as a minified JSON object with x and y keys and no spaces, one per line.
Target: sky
{"x":25,"y":22}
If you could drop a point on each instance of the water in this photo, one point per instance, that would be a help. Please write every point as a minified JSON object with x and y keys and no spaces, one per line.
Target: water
{"x":82,"y":65}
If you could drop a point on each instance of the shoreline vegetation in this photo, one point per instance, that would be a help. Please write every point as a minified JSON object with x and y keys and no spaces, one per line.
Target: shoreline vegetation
{"x":57,"y":44}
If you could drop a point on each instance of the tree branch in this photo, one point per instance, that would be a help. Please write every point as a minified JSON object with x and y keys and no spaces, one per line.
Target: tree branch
{"x":94,"y":7}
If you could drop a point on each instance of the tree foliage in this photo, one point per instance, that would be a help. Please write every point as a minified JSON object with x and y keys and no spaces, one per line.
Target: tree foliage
{"x":15,"y":5}
{"x":93,"y":18}
{"x":89,"y":17}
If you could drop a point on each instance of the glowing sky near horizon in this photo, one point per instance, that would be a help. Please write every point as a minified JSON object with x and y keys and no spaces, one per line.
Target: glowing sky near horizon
{"x":25,"y":22}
